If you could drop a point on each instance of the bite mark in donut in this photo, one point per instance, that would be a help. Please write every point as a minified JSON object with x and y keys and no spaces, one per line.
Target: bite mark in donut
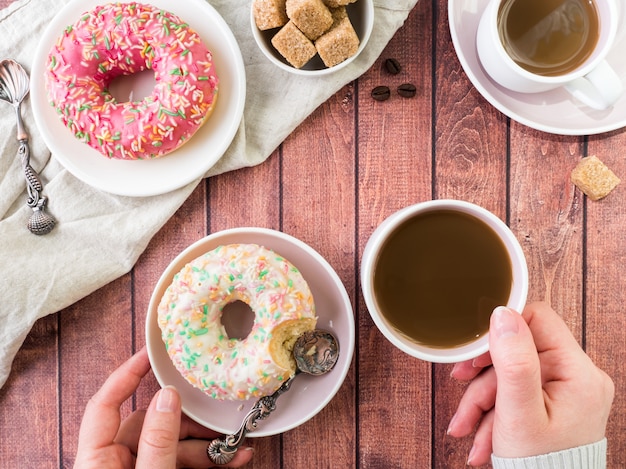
{"x":189,"y":315}
{"x":122,"y":39}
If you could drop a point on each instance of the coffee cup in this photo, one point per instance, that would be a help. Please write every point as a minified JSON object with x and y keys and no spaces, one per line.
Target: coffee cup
{"x":432,"y":274}
{"x":532,"y":46}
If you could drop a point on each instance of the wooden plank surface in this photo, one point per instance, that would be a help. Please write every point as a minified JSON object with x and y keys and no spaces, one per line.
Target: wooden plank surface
{"x":470,"y":164}
{"x":353,"y":162}
{"x":604,"y":293}
{"x":394,"y":169}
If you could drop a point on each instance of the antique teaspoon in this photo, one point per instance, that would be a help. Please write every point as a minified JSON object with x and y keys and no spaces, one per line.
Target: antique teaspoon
{"x":14,"y":86}
{"x":316,"y":353}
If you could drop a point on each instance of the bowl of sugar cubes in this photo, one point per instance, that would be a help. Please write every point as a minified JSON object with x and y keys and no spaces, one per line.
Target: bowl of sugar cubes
{"x":312,"y":37}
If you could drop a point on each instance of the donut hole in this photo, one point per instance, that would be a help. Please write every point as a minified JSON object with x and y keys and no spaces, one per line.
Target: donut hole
{"x":134,"y":87}
{"x":237,"y":319}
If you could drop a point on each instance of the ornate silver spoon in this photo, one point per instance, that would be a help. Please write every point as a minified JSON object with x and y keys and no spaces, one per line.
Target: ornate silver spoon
{"x":14,"y":86}
{"x":316,"y":353}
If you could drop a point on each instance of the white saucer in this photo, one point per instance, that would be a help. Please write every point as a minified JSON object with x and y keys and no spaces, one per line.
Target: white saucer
{"x":553,"y":111}
{"x":309,"y":394}
{"x":189,"y":162}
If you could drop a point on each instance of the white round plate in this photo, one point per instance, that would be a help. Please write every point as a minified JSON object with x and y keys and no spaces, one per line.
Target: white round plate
{"x":186,"y":164}
{"x":553,"y":111}
{"x":308,"y":394}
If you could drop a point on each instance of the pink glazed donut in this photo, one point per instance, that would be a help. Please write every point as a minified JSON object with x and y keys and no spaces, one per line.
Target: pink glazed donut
{"x":122,"y":39}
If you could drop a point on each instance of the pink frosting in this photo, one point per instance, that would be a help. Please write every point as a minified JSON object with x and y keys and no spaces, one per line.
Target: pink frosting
{"x":122,"y":39}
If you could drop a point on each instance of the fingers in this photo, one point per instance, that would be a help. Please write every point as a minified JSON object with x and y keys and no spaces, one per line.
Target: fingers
{"x":516,"y":362}
{"x":480,"y":454}
{"x":476,"y":411}
{"x":548,"y":328}
{"x":193,"y":441}
{"x":192,"y":429}
{"x":468,"y":370}
{"x":478,"y":399}
{"x":130,"y":431}
{"x":515,"y":375}
{"x":102,"y":415}
{"x":560,"y":353}
{"x":483,"y":361}
{"x":159,"y":446}
{"x":158,"y":443}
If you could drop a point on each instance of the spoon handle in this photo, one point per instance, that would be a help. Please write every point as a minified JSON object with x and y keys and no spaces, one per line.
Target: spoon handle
{"x":222,"y":450}
{"x":21,"y":131}
{"x":33,"y":182}
{"x":40,"y":223}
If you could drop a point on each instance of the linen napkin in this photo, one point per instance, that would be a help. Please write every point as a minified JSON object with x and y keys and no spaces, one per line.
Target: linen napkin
{"x":99,"y":236}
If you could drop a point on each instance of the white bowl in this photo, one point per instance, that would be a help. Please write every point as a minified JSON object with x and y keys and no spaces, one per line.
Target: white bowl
{"x":361,"y":14}
{"x":308,"y":394}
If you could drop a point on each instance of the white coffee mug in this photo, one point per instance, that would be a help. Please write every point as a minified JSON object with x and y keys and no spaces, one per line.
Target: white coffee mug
{"x":369,"y":260}
{"x":594,"y":83}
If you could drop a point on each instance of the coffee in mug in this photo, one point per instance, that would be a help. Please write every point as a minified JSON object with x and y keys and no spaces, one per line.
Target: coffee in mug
{"x":439,"y":276}
{"x":549,"y":37}
{"x":432,"y":274}
{"x":533,"y":46}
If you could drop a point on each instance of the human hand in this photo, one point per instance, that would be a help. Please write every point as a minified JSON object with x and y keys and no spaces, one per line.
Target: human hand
{"x":543,"y":393}
{"x":158,"y":438}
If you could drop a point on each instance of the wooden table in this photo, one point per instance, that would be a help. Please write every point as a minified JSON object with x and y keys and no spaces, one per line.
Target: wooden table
{"x":353,"y":162}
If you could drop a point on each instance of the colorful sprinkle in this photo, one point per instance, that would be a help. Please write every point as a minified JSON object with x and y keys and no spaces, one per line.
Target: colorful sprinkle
{"x":195,"y":339}
{"x":100,"y":46}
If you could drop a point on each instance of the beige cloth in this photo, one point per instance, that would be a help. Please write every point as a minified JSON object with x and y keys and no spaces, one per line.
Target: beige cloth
{"x":99,"y":236}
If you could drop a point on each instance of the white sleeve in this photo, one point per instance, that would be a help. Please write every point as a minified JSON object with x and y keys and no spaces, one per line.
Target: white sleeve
{"x":591,"y":456}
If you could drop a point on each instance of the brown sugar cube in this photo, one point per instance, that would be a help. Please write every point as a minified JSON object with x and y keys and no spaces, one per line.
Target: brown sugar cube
{"x":293,"y":45}
{"x":269,"y":14}
{"x":312,"y":17}
{"x":594,"y":178}
{"x":338,"y":44}
{"x":337,"y":3}
{"x":338,"y":13}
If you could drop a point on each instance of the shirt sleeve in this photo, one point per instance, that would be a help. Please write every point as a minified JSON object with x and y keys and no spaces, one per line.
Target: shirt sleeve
{"x":592,"y":456}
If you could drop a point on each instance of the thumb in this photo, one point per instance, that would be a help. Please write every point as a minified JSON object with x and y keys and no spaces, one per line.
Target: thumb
{"x":515,"y":359}
{"x":158,"y":442}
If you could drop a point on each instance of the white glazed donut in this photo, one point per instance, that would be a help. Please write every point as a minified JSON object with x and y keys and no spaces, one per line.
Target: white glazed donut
{"x":190,"y":311}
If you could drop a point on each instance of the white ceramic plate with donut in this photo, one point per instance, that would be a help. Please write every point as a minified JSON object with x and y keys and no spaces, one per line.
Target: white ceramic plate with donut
{"x":308,"y":394}
{"x":186,"y":164}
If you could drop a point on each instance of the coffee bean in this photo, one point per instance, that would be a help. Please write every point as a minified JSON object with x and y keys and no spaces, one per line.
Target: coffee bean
{"x":393,"y":66}
{"x":381,"y":93}
{"x":407,"y":90}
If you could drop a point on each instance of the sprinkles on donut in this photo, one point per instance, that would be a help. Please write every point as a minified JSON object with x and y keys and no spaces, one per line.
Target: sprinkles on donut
{"x":122,"y":39}
{"x":190,"y":312}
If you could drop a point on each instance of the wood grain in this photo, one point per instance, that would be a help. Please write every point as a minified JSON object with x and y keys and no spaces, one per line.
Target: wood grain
{"x":256,"y":194}
{"x":471,"y":164}
{"x":347,"y":167}
{"x":604,"y":294}
{"x":394,"y":170}
{"x":29,"y":401}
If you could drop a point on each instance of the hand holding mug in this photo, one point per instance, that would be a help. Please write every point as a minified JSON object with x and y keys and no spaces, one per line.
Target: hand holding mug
{"x":543,"y":393}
